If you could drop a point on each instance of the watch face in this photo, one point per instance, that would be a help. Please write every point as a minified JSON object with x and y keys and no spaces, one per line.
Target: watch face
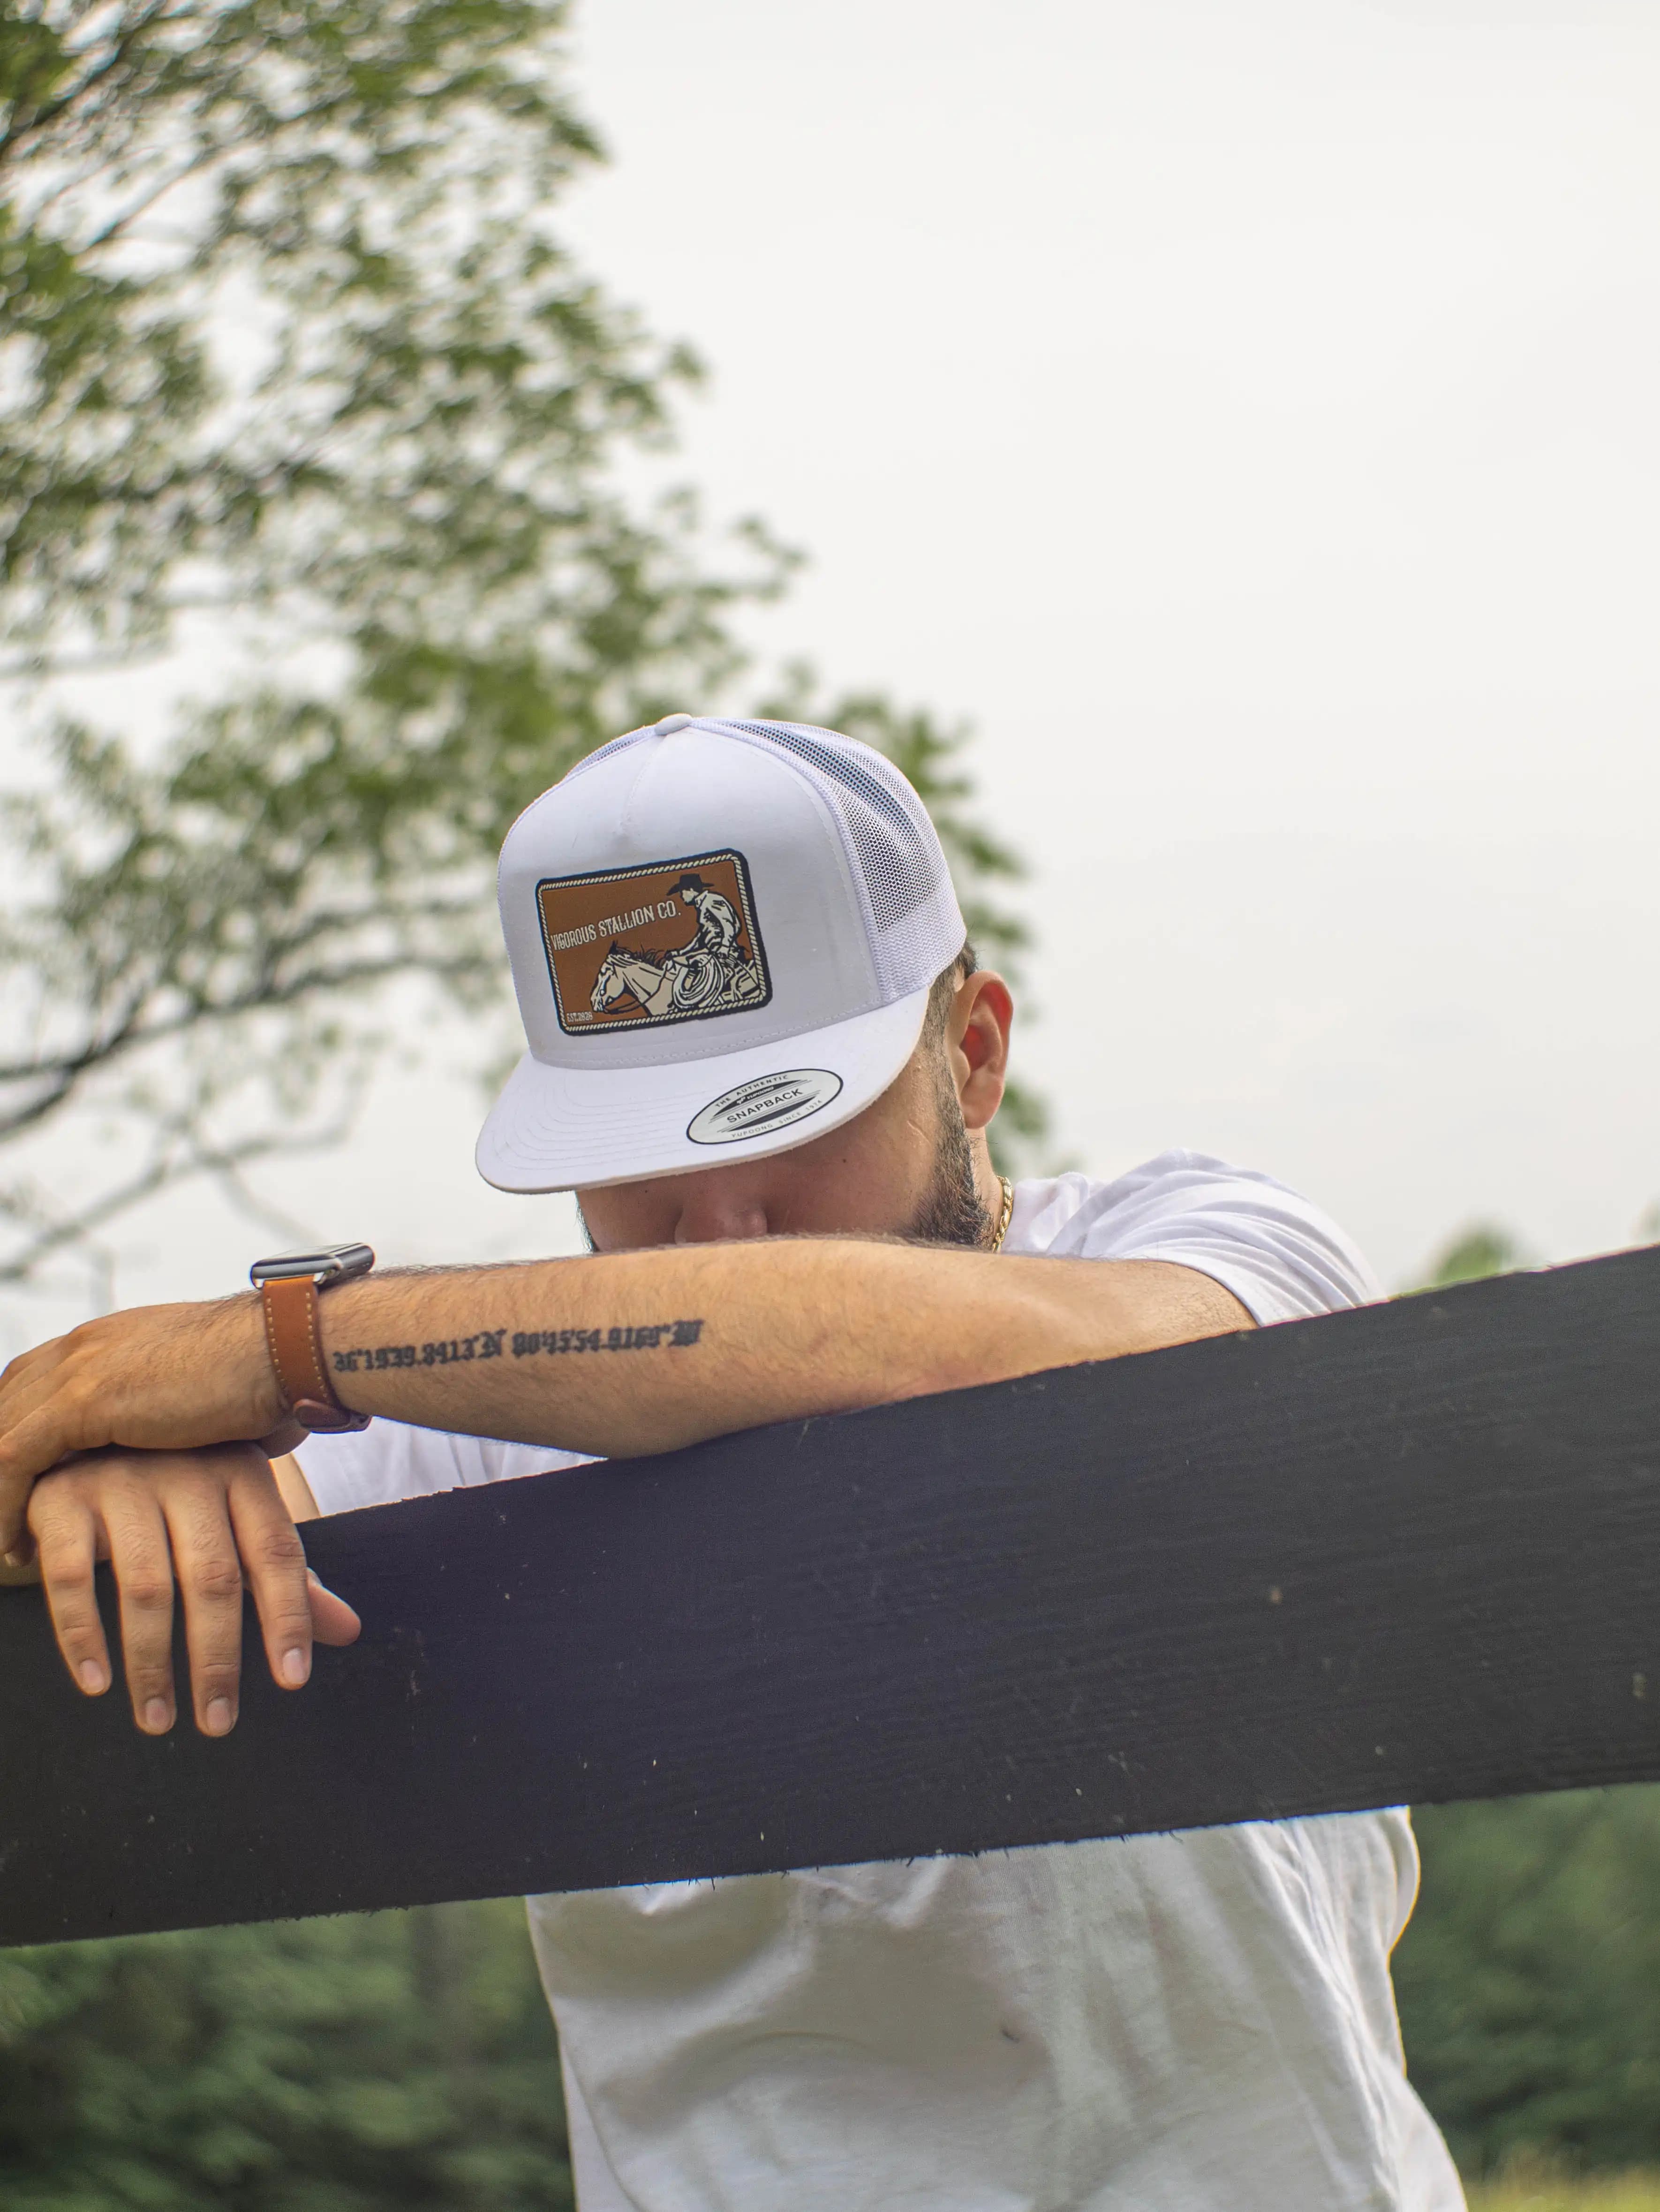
{"x":333,"y":1263}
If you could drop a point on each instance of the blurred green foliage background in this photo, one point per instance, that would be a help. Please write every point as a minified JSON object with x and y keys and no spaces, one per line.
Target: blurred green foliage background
{"x":1529,"y":1981}
{"x":392,"y":2059}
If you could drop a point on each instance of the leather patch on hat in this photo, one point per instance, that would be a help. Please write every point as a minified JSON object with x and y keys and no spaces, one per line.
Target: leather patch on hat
{"x":631,"y":948}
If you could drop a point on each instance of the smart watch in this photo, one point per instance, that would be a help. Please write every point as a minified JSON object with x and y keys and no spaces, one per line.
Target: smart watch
{"x":289,"y":1285}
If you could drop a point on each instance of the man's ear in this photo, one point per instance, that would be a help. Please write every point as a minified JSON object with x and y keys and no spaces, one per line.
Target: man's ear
{"x":976,"y":1034}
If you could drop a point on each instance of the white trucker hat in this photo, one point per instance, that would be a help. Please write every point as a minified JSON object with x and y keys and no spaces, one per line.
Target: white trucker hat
{"x":723,"y":936}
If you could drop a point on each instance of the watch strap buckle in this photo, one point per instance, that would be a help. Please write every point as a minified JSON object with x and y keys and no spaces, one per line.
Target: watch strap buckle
{"x":295,"y":1341}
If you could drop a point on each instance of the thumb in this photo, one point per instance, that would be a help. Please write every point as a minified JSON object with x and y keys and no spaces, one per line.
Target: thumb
{"x":333,"y":1620}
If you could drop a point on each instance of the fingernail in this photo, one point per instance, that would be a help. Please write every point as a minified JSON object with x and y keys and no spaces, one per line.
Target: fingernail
{"x":93,"y":1677}
{"x":155,"y":1716}
{"x":218,"y":1716}
{"x":296,"y":1667}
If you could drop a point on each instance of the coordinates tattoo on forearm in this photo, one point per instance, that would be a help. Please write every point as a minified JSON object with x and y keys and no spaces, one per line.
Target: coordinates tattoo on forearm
{"x":517,"y":1344}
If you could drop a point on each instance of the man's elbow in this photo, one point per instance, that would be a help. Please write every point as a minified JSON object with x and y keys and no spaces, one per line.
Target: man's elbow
{"x":1160,"y":1303}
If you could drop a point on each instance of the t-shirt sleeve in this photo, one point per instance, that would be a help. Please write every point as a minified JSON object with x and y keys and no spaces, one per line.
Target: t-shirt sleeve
{"x":390,"y":1460}
{"x":1281,"y":1256}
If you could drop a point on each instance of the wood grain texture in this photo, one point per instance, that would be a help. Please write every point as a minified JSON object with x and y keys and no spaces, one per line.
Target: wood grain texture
{"x":1405,"y":1554}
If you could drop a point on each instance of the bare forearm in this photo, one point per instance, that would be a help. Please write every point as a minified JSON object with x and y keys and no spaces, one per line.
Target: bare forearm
{"x":645,"y":1351}
{"x":631,"y":1352}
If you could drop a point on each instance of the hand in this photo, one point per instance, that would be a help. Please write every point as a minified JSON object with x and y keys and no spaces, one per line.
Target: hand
{"x":211,"y":1516}
{"x":158,"y":1377}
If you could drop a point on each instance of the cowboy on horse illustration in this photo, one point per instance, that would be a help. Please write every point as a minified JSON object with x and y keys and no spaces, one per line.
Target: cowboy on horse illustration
{"x":709,"y":973}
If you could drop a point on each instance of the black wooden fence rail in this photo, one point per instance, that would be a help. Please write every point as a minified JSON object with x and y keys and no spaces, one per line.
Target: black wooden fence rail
{"x":1400,"y":1555}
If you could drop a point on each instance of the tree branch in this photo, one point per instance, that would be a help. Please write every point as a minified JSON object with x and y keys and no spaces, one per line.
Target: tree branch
{"x":42,"y":118}
{"x":225,"y":1162}
{"x":258,"y":998}
{"x":117,"y":224}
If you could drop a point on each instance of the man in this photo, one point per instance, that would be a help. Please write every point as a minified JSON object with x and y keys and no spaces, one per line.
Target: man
{"x":792,"y":1209}
{"x":718,"y":926}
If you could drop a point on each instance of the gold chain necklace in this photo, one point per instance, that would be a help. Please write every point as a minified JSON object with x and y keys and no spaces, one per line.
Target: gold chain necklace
{"x":1008,"y":1210}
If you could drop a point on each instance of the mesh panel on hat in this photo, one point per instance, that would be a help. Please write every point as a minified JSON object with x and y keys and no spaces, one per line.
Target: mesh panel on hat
{"x":896,"y":851}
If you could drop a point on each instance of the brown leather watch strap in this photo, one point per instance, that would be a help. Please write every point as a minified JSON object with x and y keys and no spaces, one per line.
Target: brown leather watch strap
{"x":296,"y":1348}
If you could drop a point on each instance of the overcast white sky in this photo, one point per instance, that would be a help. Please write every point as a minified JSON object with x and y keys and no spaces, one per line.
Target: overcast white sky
{"x":1243,"y":411}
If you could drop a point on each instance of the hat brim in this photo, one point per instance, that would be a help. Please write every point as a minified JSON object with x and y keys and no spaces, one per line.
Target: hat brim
{"x":567,"y":1129}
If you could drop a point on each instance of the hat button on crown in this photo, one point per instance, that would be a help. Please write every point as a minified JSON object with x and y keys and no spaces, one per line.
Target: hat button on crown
{"x":671,"y":723}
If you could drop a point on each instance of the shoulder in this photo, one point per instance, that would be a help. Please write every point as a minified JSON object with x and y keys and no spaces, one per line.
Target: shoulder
{"x":1281,"y":1255}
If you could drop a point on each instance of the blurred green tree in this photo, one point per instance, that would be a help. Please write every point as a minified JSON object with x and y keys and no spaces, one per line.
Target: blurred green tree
{"x":375,"y":2063}
{"x":1529,"y":1980}
{"x":299,"y":388}
{"x":1482,"y":1249}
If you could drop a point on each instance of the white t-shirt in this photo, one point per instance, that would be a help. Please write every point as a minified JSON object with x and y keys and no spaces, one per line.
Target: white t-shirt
{"x":1200,"y":2022}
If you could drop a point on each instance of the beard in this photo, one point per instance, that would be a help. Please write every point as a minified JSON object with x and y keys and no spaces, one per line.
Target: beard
{"x":952,"y":1212}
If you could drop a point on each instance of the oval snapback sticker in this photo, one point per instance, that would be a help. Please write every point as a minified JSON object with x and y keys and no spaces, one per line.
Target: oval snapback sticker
{"x":764,"y":1103}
